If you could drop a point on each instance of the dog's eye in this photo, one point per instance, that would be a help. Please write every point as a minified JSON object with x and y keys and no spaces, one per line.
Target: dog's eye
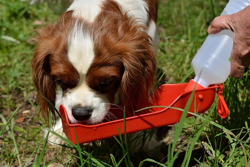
{"x":63,"y":85}
{"x":107,"y":82}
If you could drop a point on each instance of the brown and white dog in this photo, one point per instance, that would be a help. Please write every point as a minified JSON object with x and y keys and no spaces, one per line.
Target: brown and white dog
{"x":100,"y":52}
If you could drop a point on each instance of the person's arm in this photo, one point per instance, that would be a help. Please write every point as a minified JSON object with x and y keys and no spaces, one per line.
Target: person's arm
{"x":239,"y":23}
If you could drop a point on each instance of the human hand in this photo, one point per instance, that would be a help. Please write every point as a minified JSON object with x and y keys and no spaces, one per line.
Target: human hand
{"x":239,"y":23}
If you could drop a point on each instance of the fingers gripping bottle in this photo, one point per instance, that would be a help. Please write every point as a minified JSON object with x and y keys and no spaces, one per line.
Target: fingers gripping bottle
{"x":212,"y":62}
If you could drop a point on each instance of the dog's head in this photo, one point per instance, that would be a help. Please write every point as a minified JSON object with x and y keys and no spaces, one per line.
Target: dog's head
{"x":85,"y":64}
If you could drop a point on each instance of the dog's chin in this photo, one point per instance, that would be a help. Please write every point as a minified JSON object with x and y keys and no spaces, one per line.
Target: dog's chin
{"x":88,"y":122}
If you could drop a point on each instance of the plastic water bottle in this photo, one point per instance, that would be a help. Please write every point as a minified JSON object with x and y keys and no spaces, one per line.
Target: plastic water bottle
{"x":212,"y":62}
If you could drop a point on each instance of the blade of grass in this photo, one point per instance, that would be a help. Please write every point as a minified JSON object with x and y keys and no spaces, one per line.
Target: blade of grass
{"x":227,"y":132}
{"x":89,"y":156}
{"x":127,"y":159}
{"x":28,"y":160}
{"x":193,"y":141}
{"x":212,"y":5}
{"x":181,"y":123}
{"x":121,"y":159}
{"x":122,"y":146}
{"x":152,"y":161}
{"x":78,"y":148}
{"x":40,"y":159}
{"x":117,"y":140}
{"x":11,"y":116}
{"x":11,"y":133}
{"x":80,"y":151}
{"x":50,"y":104}
{"x":113,"y":160}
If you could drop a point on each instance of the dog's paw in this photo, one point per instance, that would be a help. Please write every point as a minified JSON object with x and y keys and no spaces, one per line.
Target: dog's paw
{"x":52,"y":138}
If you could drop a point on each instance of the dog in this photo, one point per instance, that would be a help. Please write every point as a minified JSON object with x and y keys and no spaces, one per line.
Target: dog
{"x":100,"y":52}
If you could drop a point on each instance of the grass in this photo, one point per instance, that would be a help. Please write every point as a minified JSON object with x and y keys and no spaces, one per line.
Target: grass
{"x":208,"y":139}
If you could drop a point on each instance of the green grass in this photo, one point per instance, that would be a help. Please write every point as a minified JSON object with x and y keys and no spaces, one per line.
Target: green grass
{"x":209,"y":140}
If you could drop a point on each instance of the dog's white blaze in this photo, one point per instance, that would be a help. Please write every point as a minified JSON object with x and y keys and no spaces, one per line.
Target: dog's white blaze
{"x":86,"y":9}
{"x":81,"y":55}
{"x":80,"y":49}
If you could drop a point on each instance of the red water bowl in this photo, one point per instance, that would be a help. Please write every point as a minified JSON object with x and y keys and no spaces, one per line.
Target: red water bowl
{"x":162,"y":113}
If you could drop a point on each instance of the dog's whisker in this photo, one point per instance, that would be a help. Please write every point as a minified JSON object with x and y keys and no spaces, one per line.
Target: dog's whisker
{"x":112,"y":116}
{"x":116,"y":105}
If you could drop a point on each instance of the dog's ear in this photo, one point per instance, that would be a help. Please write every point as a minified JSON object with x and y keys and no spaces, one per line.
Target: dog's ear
{"x":50,"y":60}
{"x":41,"y":79}
{"x":139,"y":70}
{"x":46,"y":88}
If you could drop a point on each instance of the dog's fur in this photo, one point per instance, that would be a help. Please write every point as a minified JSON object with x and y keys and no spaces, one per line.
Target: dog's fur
{"x":100,"y":52}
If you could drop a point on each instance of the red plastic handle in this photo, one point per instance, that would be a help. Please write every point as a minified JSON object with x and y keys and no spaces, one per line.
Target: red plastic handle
{"x":222,"y":108}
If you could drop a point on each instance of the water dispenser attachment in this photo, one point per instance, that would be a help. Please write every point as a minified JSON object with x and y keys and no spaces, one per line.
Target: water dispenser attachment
{"x":170,"y":100}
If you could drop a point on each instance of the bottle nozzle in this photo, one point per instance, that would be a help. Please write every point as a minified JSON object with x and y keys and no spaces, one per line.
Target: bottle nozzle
{"x":193,"y":85}
{"x":201,"y":82}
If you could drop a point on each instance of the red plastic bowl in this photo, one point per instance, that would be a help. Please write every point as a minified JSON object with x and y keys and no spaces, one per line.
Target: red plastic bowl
{"x":172,"y":95}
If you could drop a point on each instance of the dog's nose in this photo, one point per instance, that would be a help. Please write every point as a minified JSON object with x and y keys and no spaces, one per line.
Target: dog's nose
{"x":82,"y":113}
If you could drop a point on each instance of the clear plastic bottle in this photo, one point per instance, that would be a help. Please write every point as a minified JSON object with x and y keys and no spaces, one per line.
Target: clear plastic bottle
{"x":211,"y":63}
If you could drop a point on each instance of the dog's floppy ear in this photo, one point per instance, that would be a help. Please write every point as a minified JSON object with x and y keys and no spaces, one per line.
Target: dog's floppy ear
{"x":41,"y":79}
{"x":50,"y":59}
{"x":139,"y":70}
{"x":44,"y":85}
